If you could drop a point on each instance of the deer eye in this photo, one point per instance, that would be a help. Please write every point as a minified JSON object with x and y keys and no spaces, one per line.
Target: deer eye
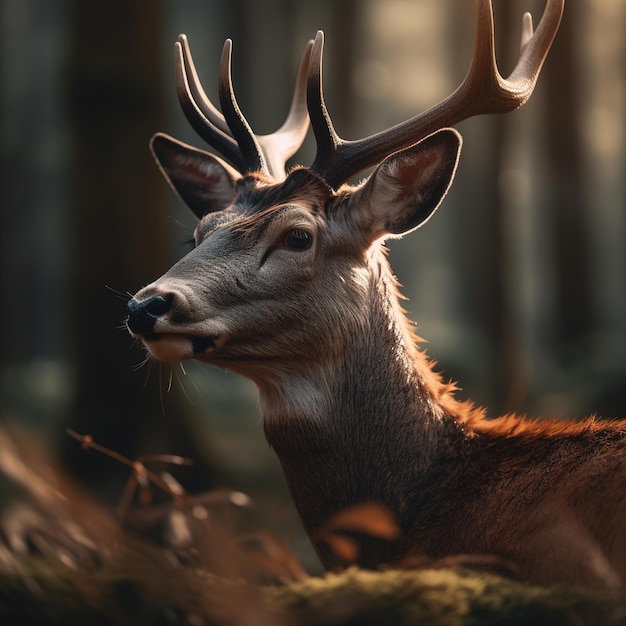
{"x":298,"y":239}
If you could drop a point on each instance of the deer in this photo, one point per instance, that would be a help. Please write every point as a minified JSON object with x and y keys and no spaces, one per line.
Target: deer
{"x":289,"y":285}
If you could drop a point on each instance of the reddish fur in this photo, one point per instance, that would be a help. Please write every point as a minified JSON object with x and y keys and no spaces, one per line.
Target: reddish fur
{"x":540,"y":494}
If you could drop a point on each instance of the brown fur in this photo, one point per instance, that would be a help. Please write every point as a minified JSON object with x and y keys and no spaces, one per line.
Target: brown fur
{"x":543,"y":495}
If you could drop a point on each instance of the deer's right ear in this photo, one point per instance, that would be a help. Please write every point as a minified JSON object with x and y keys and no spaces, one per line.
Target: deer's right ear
{"x":204,"y":182}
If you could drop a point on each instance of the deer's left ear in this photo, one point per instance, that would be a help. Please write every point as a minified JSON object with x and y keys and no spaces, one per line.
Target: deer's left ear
{"x":408,"y":186}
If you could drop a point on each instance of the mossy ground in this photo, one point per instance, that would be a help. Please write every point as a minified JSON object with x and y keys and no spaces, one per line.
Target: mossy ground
{"x":143,"y":594}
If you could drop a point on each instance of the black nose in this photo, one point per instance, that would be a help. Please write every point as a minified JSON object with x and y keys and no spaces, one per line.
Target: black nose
{"x":142,"y":314}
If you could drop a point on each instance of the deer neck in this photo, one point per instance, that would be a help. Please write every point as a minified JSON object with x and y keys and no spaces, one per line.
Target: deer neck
{"x":364,"y":426}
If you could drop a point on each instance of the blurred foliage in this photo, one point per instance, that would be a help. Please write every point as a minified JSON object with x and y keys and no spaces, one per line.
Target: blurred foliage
{"x":189,"y":559}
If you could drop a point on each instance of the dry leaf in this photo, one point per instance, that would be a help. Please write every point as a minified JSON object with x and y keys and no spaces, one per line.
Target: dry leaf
{"x":345,"y":548}
{"x":368,"y":518}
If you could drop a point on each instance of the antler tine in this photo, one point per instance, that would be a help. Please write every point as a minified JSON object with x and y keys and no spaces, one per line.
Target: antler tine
{"x":326,"y":137}
{"x":252,"y":155}
{"x":282,"y":144}
{"x":232,"y":136}
{"x":198,"y":94}
{"x":482,"y":91}
{"x":205,"y":119}
{"x":496,"y":94}
{"x":532,"y":55}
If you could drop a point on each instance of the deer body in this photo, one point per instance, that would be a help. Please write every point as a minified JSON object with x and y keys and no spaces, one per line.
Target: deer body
{"x":289,"y":285}
{"x":391,"y":432}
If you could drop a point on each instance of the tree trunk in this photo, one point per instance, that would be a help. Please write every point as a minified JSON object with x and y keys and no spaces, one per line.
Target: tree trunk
{"x":119,"y":239}
{"x":573,"y":316}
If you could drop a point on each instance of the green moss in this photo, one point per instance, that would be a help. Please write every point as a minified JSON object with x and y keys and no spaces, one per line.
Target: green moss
{"x":442,"y":597}
{"x":140,"y":593}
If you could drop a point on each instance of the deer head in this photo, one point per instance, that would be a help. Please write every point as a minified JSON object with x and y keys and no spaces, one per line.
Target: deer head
{"x":280,"y":257}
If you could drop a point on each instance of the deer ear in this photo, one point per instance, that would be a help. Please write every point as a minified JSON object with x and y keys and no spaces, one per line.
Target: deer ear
{"x":204,"y":182}
{"x":408,"y":186}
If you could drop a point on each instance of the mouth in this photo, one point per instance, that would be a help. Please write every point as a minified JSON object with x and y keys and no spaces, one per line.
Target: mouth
{"x":173,"y":347}
{"x":201,"y":345}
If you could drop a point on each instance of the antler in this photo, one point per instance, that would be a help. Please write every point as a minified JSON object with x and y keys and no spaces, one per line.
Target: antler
{"x":482,"y":91}
{"x":230,"y":133}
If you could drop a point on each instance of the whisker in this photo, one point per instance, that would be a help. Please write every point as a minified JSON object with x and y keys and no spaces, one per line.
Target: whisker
{"x":171,"y":377}
{"x":145,"y":361}
{"x":193,"y":382}
{"x":177,"y":222}
{"x":161,"y":388}
{"x":149,"y":363}
{"x":122,"y":295}
{"x":182,"y":386}
{"x":134,"y":343}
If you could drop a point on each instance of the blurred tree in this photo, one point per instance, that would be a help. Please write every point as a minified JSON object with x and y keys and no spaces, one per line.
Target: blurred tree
{"x":573,"y":320}
{"x":34,"y":380}
{"x":480,"y":230}
{"x":118,"y":233}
